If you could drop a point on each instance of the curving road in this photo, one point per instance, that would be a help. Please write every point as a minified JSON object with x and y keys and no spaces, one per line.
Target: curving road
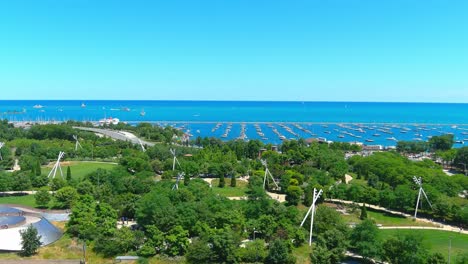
{"x":119,"y":135}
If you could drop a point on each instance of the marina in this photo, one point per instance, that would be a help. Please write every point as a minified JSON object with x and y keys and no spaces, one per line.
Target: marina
{"x":270,"y":122}
{"x":275,"y":133}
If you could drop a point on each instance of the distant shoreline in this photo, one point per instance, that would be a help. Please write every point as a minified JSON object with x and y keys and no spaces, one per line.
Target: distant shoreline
{"x":220,"y":101}
{"x":251,"y":122}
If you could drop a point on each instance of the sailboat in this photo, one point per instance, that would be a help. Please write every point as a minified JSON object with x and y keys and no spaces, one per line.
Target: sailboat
{"x":142,"y":113}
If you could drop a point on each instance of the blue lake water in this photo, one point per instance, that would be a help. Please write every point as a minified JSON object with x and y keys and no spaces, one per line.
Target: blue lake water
{"x":371,"y":123}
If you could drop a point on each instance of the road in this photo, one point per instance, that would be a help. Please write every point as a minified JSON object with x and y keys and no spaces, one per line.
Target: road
{"x":119,"y":135}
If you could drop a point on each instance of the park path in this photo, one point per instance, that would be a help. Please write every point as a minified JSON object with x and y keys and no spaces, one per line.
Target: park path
{"x":441,"y":226}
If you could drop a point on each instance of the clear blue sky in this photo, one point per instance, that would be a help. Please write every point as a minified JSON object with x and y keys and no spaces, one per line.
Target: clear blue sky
{"x":306,"y":50}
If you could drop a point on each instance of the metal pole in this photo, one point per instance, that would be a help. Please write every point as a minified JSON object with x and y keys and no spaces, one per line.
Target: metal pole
{"x":311,"y":224}
{"x":417,"y":203}
{"x":450,"y":249}
{"x":256,"y":247}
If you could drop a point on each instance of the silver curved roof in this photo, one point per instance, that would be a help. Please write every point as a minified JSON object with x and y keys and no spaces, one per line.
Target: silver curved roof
{"x":10,"y":238}
{"x":11,"y":220}
{"x":8,"y":210}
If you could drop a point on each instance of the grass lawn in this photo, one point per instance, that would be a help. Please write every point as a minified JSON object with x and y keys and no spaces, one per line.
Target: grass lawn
{"x":27,"y":200}
{"x":435,"y":240}
{"x":68,"y":248}
{"x":384,"y":219}
{"x":302,"y":254}
{"x":79,"y":169}
{"x":228,"y":191}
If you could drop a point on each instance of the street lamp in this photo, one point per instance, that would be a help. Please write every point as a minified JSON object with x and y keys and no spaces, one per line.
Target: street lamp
{"x":464,"y":166}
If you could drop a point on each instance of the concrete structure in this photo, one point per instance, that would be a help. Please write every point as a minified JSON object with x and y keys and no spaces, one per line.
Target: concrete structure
{"x":13,"y":220}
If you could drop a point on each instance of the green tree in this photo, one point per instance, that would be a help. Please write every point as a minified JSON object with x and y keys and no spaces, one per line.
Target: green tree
{"x":293,"y":195}
{"x":254,"y":251}
{"x":321,"y":255}
{"x":69,"y":175}
{"x":121,"y":241}
{"x":443,"y":142}
{"x":66,"y":196}
{"x":461,"y":159}
{"x":30,"y":241}
{"x":85,"y":187}
{"x":461,"y":258}
{"x":186,"y":179}
{"x":154,"y":242}
{"x":57,"y":183}
{"x":199,"y":252}
{"x":43,"y":197}
{"x":233,"y":181}
{"x":37,"y":170}
{"x":21,"y":182}
{"x":402,"y":249}
{"x":336,"y":242}
{"x":176,"y":241}
{"x":222,"y":182}
{"x":436,"y":258}
{"x":82,"y":219}
{"x":279,"y":253}
{"x":363,"y":212}
{"x":365,"y":239}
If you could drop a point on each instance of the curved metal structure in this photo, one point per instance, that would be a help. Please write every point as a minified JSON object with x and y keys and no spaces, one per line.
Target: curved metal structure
{"x":12,"y":221}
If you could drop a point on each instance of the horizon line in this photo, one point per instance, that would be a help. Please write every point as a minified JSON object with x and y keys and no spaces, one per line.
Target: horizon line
{"x":253,"y":101}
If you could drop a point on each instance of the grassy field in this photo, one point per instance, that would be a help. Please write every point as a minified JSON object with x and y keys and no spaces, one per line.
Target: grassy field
{"x":302,"y":254}
{"x":68,"y":248}
{"x":435,"y":240}
{"x":228,"y":191}
{"x":384,"y":219}
{"x":27,"y":200}
{"x":79,"y":169}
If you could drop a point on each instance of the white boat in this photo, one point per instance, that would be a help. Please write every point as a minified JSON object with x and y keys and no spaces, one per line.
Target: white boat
{"x":83,"y":105}
{"x":392,"y":138}
{"x":142,"y":113}
{"x":38,"y":106}
{"x":109,"y":121}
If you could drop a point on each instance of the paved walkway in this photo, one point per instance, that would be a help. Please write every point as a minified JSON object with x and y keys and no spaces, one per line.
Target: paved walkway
{"x":442,"y":226}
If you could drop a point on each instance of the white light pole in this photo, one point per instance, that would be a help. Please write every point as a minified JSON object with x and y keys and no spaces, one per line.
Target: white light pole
{"x":53,"y":172}
{"x":77,"y":143}
{"x":173,"y":152}
{"x":176,"y":185}
{"x":1,"y":146}
{"x":312,"y":212}
{"x":267,"y":173}
{"x":141,"y":145}
{"x":418,"y":182}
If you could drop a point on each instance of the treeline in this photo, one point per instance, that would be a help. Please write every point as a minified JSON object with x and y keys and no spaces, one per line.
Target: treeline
{"x":386,"y":179}
{"x":207,"y":228}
